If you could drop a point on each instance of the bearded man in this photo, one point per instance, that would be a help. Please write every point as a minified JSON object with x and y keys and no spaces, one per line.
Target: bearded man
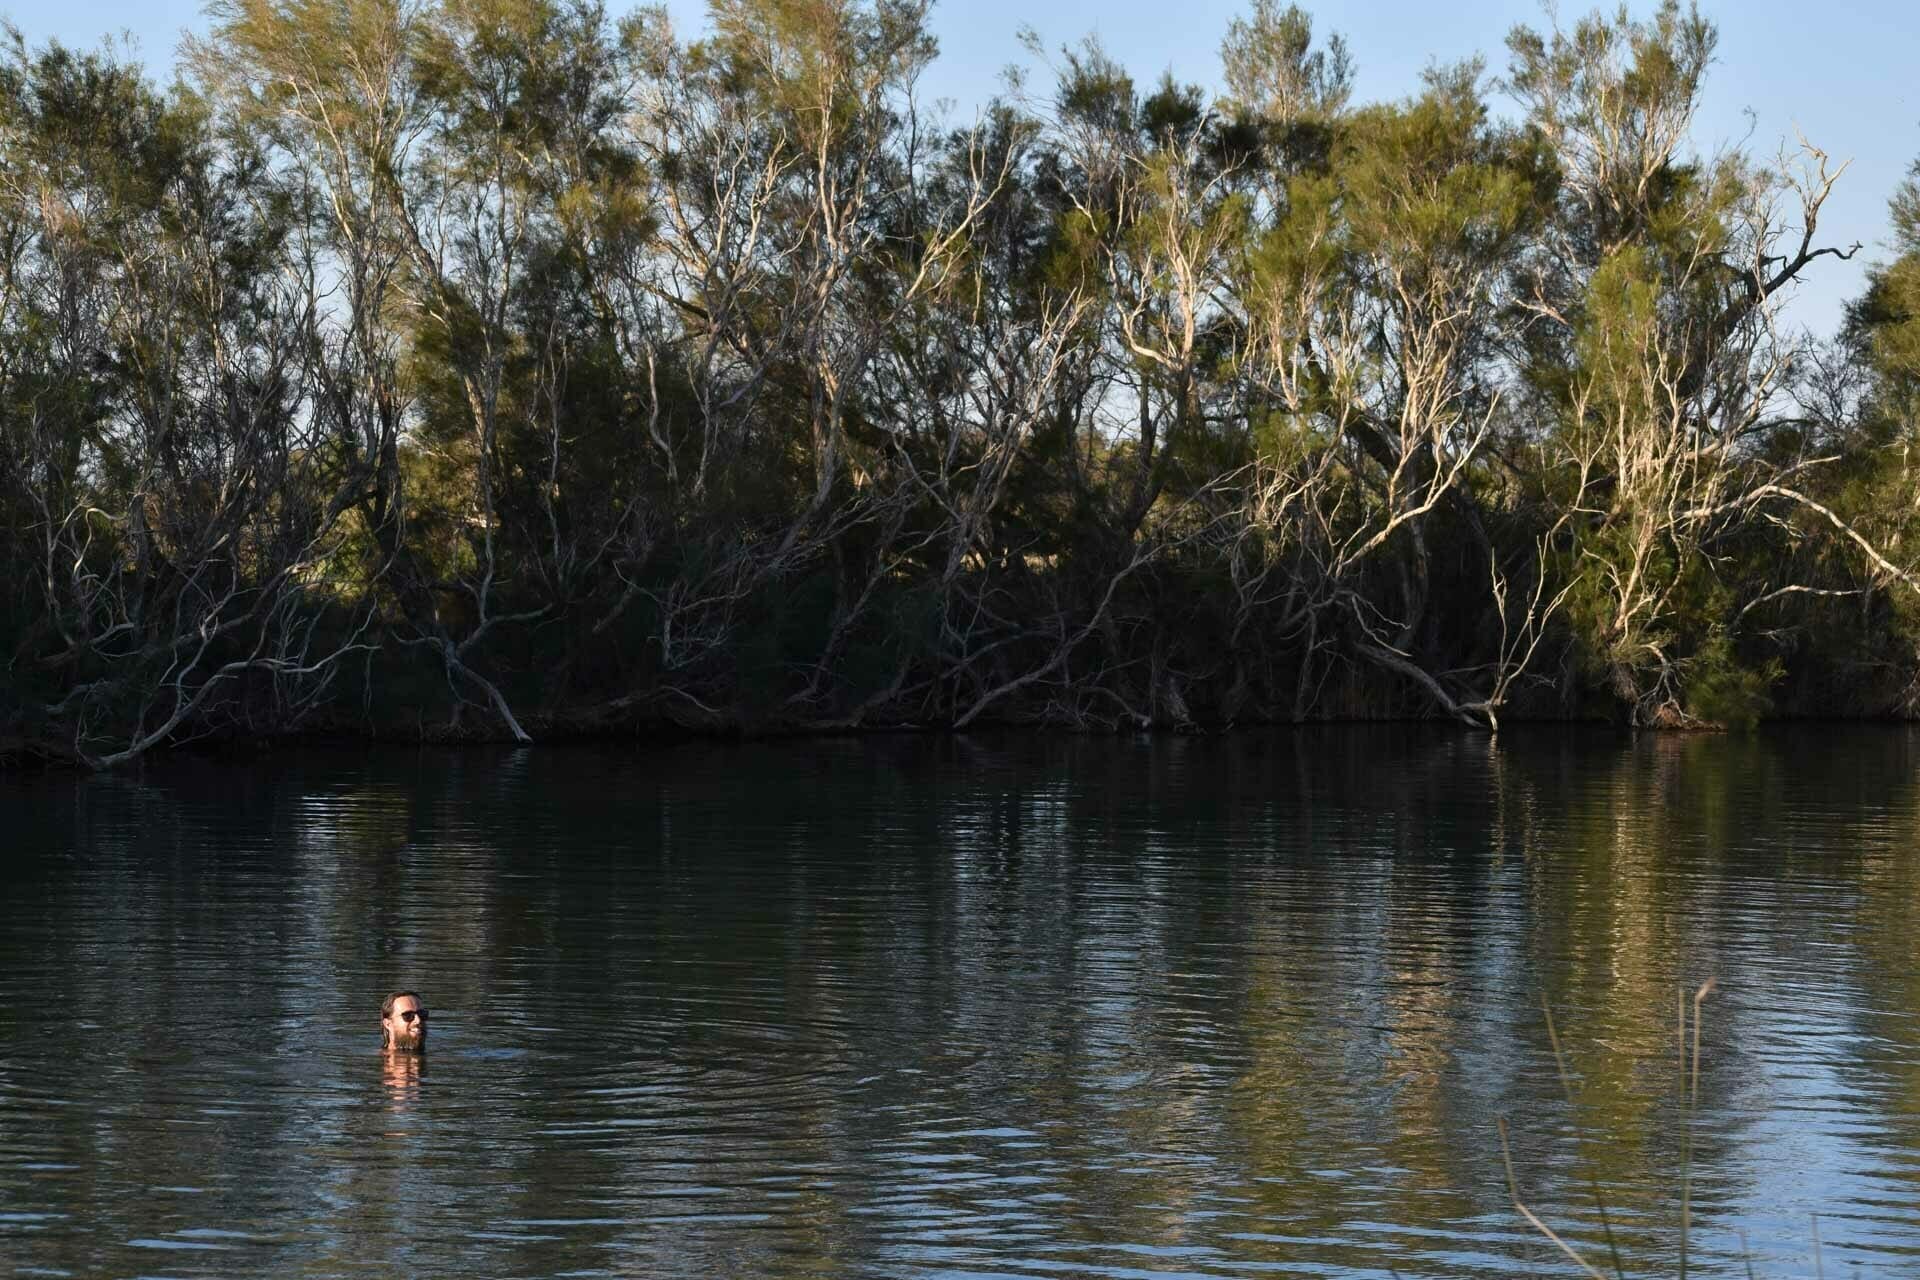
{"x":403,"y":1023}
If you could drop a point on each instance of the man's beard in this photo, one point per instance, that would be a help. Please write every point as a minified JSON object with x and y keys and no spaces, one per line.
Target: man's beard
{"x":416,"y":1043}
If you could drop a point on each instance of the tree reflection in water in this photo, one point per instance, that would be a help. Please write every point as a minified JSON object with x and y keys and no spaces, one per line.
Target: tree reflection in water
{"x":885,"y":1007}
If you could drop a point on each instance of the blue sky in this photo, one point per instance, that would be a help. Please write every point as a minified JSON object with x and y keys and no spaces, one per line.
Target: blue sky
{"x":1846,"y":75}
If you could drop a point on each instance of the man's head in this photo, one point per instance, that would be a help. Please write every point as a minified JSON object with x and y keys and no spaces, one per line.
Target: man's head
{"x":403,"y":1022}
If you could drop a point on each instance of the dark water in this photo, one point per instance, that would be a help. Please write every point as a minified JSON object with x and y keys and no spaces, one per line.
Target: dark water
{"x":907,"y":1007}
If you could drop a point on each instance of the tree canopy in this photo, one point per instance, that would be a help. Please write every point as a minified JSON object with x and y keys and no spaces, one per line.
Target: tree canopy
{"x":476,"y":368}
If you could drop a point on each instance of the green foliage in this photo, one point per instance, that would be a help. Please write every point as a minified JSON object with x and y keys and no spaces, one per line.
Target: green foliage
{"x":1887,"y":318}
{"x":1721,"y":690}
{"x":1272,"y":71}
{"x":539,"y":364}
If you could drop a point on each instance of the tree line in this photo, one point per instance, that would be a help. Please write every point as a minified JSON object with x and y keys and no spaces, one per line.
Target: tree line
{"x":508,"y":368}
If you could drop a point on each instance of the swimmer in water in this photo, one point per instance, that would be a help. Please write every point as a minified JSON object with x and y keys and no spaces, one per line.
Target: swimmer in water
{"x":403,"y":1023}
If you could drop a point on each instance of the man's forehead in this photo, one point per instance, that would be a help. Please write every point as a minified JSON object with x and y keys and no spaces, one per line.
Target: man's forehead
{"x":405,"y":1002}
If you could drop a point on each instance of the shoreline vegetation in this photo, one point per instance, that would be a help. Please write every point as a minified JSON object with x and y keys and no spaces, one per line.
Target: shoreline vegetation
{"x":486,"y":370}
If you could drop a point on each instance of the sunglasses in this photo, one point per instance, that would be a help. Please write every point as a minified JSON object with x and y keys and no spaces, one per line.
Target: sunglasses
{"x":408,"y":1015}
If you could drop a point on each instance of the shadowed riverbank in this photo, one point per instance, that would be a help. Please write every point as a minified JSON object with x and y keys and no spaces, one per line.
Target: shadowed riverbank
{"x":452,"y":371}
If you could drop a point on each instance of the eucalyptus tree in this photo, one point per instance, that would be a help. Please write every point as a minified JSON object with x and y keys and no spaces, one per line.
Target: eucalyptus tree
{"x":1379,"y":302}
{"x":1861,"y":398}
{"x":1138,"y":209}
{"x":1890,"y":314}
{"x":160,"y":457}
{"x":1660,"y":374}
{"x":970,"y":377}
{"x":1151,"y":212}
{"x":523,"y":108}
{"x":1882,"y":338}
{"x":575,"y":373}
{"x":449,"y":143}
{"x":810,"y":225}
{"x":326,"y":86}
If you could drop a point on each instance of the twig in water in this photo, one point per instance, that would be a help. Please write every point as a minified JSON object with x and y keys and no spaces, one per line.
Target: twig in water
{"x":1513,"y":1186}
{"x":1706,"y":988}
{"x":1693,"y":1101}
{"x":1681,"y":1007}
{"x":1593,"y":1179}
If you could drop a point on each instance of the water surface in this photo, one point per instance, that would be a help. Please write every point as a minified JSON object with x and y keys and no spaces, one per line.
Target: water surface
{"x":968,"y":1007}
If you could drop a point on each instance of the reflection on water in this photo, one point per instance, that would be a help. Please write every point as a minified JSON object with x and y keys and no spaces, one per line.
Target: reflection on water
{"x":401,"y":1074}
{"x":979,"y":1007}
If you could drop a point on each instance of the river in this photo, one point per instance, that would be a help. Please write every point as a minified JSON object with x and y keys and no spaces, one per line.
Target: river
{"x":970,"y":1007}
